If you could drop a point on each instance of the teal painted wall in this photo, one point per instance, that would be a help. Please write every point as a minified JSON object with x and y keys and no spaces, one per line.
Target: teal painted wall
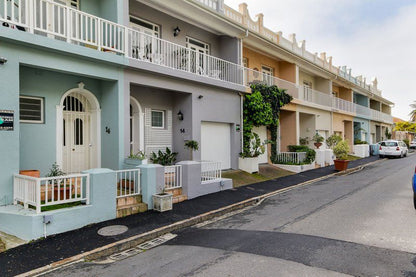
{"x":364,"y":124}
{"x":107,"y":9}
{"x":44,"y":71}
{"x":361,"y":99}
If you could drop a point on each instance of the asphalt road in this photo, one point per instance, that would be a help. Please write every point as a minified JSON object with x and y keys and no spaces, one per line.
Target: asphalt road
{"x":362,"y":224}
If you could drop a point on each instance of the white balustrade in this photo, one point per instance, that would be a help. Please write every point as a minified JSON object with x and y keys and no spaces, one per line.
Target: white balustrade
{"x":343,"y":105}
{"x":14,"y":12}
{"x":128,"y":182}
{"x":294,"y":158}
{"x":48,"y":191}
{"x":213,"y":4}
{"x":210,"y":171}
{"x":362,"y":110}
{"x":173,"y":176}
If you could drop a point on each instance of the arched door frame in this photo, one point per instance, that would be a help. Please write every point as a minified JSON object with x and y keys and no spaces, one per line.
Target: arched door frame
{"x":138,"y":124}
{"x":95,"y":126}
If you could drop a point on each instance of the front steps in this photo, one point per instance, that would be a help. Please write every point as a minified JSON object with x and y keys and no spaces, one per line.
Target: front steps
{"x":130,"y":205}
{"x":177,"y":195}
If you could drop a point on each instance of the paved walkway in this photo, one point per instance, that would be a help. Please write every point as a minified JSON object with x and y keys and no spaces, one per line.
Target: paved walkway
{"x":58,"y":247}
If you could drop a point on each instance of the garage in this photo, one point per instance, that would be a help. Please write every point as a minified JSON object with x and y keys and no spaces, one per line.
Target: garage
{"x":216,"y":143}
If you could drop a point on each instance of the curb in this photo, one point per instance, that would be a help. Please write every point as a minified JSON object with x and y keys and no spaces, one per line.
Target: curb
{"x":133,"y":241}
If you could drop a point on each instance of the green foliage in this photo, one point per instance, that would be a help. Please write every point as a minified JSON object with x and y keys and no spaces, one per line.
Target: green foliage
{"x":310,"y":155}
{"x":298,"y":148}
{"x":138,"y":156}
{"x":341,"y":150}
{"x":413,"y":112}
{"x":387,"y":133}
{"x":407,"y":142}
{"x":262,"y":108}
{"x":192,"y":145}
{"x":304,"y":141}
{"x":164,"y":158}
{"x":257,"y":147}
{"x":55,"y":171}
{"x":333,"y":140}
{"x":317,"y":138}
{"x":358,"y":141}
{"x":405,"y":126}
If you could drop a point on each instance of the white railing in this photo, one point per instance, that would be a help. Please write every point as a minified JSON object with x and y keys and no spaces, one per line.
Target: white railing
{"x":290,"y":158}
{"x":362,"y":110}
{"x":173,"y":176}
{"x":213,"y":4}
{"x":48,"y":191}
{"x":14,"y":12}
{"x":341,"y":104}
{"x":151,"y":49}
{"x":314,"y":96}
{"x":210,"y":171}
{"x":128,"y":182}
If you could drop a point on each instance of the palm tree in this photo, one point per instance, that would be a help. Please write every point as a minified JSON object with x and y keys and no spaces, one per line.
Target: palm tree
{"x":413,"y":112}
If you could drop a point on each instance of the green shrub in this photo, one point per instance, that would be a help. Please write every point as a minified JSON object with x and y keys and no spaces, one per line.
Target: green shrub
{"x":138,"y":156}
{"x":164,"y":158}
{"x":257,"y":147}
{"x":407,"y":142}
{"x":304,"y":141}
{"x":341,"y":150}
{"x":333,"y":140}
{"x":317,"y":138}
{"x":310,"y":156}
{"x":298,"y":148}
{"x":358,"y":142}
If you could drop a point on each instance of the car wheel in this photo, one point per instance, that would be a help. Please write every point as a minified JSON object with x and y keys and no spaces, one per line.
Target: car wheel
{"x":414,"y":200}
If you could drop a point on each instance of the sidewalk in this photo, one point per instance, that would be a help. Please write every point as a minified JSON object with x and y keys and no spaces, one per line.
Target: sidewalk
{"x":58,"y":247}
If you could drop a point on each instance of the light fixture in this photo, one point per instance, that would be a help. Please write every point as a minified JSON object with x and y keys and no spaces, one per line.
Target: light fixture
{"x":176,"y":31}
{"x":3,"y":60}
{"x":200,"y":96}
{"x":180,"y":115}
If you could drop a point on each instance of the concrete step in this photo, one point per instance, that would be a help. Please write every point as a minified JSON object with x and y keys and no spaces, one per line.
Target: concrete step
{"x":131,"y":209}
{"x":129,"y":200}
{"x":175,"y":192}
{"x":179,"y":198}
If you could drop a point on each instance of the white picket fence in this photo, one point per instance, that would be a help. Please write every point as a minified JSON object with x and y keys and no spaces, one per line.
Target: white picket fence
{"x":210,"y":171}
{"x":290,"y":157}
{"x":173,"y":176}
{"x":128,"y":182}
{"x":48,"y":191}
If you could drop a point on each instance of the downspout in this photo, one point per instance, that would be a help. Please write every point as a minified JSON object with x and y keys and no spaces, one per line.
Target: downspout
{"x":241,"y":94}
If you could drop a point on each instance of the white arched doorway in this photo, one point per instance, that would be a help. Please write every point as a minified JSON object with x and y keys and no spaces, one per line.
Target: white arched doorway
{"x":78,"y":141}
{"x":136,"y":126}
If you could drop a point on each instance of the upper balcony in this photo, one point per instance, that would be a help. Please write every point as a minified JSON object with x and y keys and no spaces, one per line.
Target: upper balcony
{"x":64,"y":23}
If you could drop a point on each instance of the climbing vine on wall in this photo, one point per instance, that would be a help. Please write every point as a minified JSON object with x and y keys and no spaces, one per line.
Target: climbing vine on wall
{"x":262,"y":108}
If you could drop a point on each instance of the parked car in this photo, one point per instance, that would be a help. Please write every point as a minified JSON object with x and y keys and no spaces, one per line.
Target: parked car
{"x":414,"y":188}
{"x":393,"y":148}
{"x":412,"y":144}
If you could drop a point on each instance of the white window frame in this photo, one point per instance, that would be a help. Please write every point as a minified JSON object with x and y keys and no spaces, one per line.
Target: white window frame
{"x":155,"y":28}
{"x":205,"y":45}
{"x":163,"y":119}
{"x":42,"y":110}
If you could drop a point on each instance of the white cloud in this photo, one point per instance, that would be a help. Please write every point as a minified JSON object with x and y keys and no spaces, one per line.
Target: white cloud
{"x":382,"y":47}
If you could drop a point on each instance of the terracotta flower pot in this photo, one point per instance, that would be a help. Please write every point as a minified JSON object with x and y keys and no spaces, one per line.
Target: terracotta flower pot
{"x":30,"y":172}
{"x":317,"y":144}
{"x":341,"y":165}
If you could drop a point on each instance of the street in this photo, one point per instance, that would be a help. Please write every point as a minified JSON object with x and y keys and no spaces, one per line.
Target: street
{"x":361,"y":224}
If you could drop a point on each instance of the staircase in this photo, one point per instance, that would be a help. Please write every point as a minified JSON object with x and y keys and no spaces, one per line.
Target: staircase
{"x":129,"y":205}
{"x":177,"y":195}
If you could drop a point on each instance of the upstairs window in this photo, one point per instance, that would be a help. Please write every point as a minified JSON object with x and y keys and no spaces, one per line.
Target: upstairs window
{"x":198,"y":46}
{"x":31,"y":109}
{"x":144,"y":26}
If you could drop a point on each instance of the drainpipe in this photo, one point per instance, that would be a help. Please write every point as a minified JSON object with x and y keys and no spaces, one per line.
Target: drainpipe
{"x":241,"y":120}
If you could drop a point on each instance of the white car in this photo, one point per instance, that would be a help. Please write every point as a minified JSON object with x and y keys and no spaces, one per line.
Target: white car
{"x":412,"y":144}
{"x":393,"y":148}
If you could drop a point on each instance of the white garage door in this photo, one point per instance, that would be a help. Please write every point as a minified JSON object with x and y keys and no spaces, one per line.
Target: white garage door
{"x":262,"y":132}
{"x":216,"y":143}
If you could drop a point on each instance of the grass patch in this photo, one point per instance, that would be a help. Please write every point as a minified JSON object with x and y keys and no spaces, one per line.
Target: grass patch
{"x":266,"y":172}
{"x":352,"y":158}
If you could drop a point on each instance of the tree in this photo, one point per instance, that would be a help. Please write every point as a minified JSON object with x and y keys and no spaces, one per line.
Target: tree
{"x":413,"y":112}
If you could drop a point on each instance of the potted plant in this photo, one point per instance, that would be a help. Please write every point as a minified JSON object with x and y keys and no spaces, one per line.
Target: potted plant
{"x":341,"y":151}
{"x":304,"y":141}
{"x":192,"y":146}
{"x":163,"y":158}
{"x":318,"y":139}
{"x":162,"y":201}
{"x":333,"y":140}
{"x":59,"y":186}
{"x":136,"y":159}
{"x":248,"y":160}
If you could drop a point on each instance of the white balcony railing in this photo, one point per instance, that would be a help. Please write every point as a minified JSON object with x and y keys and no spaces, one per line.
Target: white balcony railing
{"x":343,"y":105}
{"x":294,"y":158}
{"x":310,"y":95}
{"x":210,"y":171}
{"x":362,"y":110}
{"x":48,"y":191}
{"x":128,"y":182}
{"x":173,"y":176}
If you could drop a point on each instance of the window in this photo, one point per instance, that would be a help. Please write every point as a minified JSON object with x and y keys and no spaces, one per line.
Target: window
{"x":144,"y":26}
{"x":79,"y":132}
{"x":245,"y":62}
{"x":267,"y":74}
{"x":198,"y":46}
{"x":158,"y":119}
{"x":31,"y":109}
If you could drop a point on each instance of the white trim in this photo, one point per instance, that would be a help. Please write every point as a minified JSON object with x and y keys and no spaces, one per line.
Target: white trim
{"x":206,"y":49}
{"x":138,"y":117}
{"x":142,"y":28}
{"x":95,"y":126}
{"x":163,"y":119}
{"x":42,"y":110}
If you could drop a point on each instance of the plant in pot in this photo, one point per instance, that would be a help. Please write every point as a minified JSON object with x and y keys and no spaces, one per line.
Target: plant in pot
{"x":59,"y":186}
{"x":248,"y":160}
{"x":333,"y":140}
{"x":341,"y":151}
{"x":166,"y":158}
{"x":192,"y":146}
{"x":136,"y":159}
{"x":162,"y":201}
{"x":304,"y":141}
{"x":318,"y":139}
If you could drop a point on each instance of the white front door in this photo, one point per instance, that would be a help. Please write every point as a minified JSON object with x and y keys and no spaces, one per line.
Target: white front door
{"x":76,"y":134}
{"x":198,"y":55}
{"x":216,"y":143}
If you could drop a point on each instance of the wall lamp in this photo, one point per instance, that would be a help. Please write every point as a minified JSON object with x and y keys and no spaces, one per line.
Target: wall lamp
{"x":3,"y":60}
{"x":180,"y":115}
{"x":200,"y":96}
{"x":176,"y":31}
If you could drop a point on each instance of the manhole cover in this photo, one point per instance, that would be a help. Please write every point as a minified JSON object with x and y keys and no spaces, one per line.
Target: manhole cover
{"x":112,"y":230}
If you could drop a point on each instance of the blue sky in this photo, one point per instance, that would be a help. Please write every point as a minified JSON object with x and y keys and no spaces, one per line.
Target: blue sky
{"x":373,"y":37}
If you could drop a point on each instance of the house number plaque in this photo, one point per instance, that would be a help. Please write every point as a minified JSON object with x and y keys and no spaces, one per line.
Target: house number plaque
{"x":6,"y":120}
